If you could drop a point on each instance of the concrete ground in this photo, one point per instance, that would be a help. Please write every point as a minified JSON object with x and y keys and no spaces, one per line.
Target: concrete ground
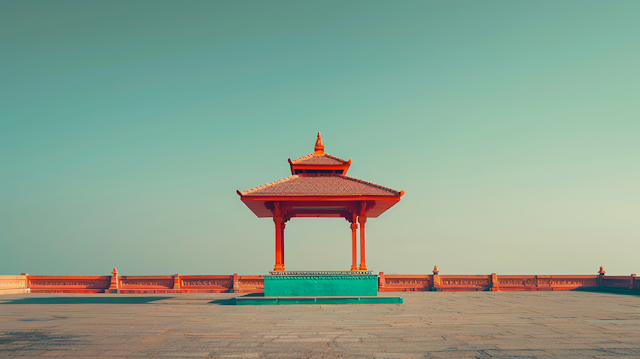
{"x":428,"y":325}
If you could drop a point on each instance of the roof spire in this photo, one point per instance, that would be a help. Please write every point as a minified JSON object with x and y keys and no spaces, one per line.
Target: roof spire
{"x":319,"y":146}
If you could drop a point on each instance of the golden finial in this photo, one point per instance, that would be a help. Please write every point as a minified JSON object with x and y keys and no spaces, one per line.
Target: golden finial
{"x":319,"y":146}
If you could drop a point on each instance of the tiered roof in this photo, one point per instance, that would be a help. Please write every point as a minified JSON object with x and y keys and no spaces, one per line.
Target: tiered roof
{"x":319,"y":185}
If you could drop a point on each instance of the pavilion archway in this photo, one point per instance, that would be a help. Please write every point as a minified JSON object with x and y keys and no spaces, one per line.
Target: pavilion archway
{"x":312,"y":244}
{"x":319,"y":187}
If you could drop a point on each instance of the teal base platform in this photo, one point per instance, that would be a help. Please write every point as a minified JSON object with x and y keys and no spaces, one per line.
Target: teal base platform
{"x":257,"y":300}
{"x":321,"y":284}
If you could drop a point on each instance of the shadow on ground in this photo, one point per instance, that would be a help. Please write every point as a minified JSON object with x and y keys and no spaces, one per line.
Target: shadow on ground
{"x":94,"y":299}
{"x":232,"y":301}
{"x":621,"y":291}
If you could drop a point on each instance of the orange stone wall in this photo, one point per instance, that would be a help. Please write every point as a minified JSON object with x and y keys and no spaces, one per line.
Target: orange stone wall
{"x":13,"y":284}
{"x":67,"y":284}
{"x":255,"y":283}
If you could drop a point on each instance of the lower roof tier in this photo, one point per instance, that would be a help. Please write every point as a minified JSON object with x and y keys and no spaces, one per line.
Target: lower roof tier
{"x":320,"y":195}
{"x":320,"y":184}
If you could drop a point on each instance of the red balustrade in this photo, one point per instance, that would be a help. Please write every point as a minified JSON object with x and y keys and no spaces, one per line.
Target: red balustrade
{"x":206,"y":283}
{"x":13,"y":284}
{"x":250,"y":284}
{"x":68,"y":284}
{"x":255,"y":283}
{"x":404,"y":282}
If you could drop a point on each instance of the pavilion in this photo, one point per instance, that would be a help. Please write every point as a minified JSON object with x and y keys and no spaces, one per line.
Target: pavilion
{"x":319,"y":187}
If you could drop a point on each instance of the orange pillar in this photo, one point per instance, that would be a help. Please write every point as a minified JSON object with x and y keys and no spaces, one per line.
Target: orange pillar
{"x":362,"y":220}
{"x":354,"y":243}
{"x":277,"y":220}
{"x":282,"y":245}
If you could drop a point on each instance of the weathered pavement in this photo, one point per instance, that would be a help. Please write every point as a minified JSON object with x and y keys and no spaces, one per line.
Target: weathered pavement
{"x":429,"y":324}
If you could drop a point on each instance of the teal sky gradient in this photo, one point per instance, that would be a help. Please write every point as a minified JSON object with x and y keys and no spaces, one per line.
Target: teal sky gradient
{"x":127,"y":127}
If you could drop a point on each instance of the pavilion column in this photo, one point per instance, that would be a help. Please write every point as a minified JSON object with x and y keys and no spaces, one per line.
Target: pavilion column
{"x":282,"y":245}
{"x":277,"y":220}
{"x":362,"y":220}
{"x":354,"y":243}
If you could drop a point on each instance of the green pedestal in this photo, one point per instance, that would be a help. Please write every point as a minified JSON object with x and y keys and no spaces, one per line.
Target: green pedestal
{"x":321,"y":284}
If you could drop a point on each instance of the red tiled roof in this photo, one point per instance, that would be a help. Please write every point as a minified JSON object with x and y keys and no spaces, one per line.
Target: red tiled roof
{"x":323,"y":159}
{"x":320,"y":185}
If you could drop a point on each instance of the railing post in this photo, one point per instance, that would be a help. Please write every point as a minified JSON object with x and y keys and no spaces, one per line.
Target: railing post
{"x":436,"y":279}
{"x":600,"y":280}
{"x":26,"y":280}
{"x":381,"y":280}
{"x":114,"y":286}
{"x":494,"y":283}
{"x":236,"y":284}
{"x":176,"y":283}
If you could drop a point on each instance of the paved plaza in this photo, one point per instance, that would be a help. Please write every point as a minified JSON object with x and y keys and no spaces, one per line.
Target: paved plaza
{"x":427,"y":325}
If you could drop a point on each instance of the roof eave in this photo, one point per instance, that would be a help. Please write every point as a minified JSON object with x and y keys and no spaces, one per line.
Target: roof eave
{"x":320,"y":198}
{"x":257,"y":204}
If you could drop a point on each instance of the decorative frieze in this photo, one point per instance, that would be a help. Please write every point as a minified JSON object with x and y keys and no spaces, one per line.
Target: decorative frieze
{"x":572,"y":282}
{"x":467,"y":282}
{"x":510,"y":281}
{"x":424,"y":282}
{"x":89,"y":284}
{"x":255,"y":283}
{"x":206,"y":282}
{"x":617,"y":282}
{"x":13,"y":283}
{"x":166,"y":283}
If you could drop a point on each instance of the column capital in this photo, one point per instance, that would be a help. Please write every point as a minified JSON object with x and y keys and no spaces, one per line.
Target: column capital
{"x":276,"y":209}
{"x":363,"y":208}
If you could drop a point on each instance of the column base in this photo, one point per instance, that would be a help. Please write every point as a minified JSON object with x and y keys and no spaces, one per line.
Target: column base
{"x":278,"y":268}
{"x":363,"y":267}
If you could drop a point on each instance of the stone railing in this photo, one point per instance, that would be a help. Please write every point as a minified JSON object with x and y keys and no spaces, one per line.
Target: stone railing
{"x":13,"y":284}
{"x":255,"y":283}
{"x":67,"y":284}
{"x":404,"y":282}
{"x":132,"y":284}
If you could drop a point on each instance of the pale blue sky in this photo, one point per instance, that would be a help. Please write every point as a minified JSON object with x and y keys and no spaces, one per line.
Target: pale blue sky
{"x":126,"y":128}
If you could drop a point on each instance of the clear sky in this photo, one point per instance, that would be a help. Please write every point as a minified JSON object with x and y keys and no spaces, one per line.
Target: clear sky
{"x":127,"y":127}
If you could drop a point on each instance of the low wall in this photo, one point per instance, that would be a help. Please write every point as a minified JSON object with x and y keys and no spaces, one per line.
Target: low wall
{"x":621,"y":282}
{"x":255,"y":283}
{"x":404,"y":283}
{"x":67,"y":284}
{"x":142,"y":284}
{"x":13,"y":284}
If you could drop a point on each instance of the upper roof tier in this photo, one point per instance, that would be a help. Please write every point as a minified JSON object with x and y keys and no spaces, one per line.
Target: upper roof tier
{"x":323,"y":159}
{"x":319,"y":162}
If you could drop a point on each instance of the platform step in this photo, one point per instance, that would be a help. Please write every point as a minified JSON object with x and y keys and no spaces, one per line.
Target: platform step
{"x":254,"y":300}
